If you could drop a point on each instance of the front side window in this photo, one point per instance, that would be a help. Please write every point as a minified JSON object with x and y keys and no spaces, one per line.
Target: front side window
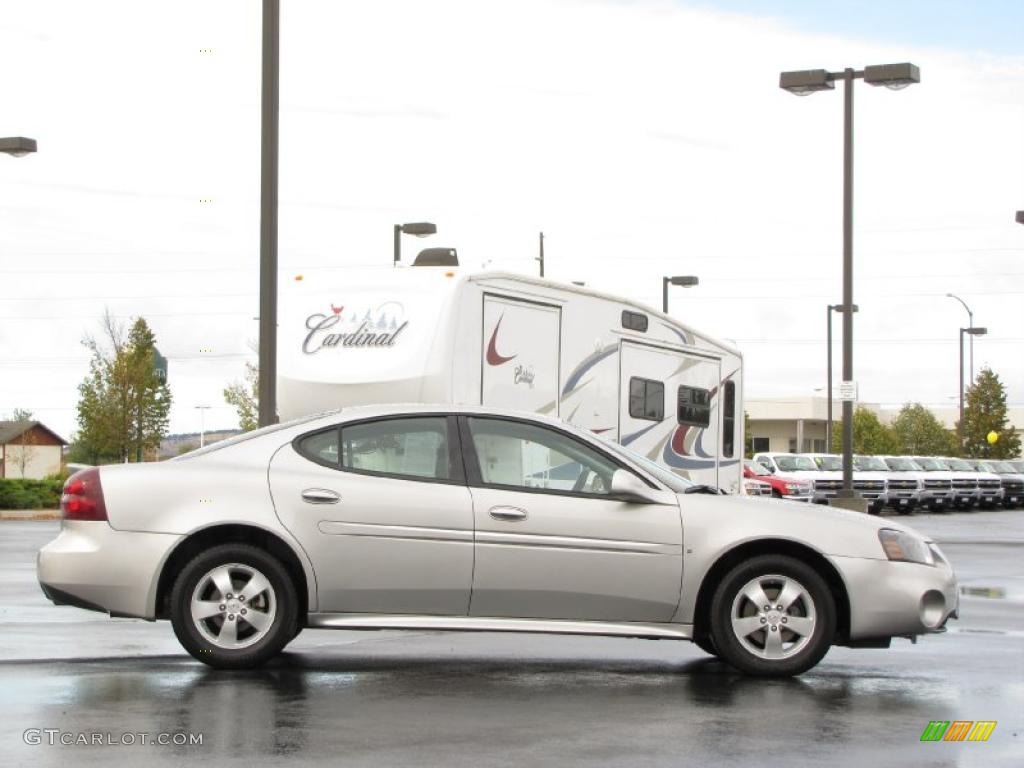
{"x":520,"y":455}
{"x":414,"y":447}
{"x":646,"y":399}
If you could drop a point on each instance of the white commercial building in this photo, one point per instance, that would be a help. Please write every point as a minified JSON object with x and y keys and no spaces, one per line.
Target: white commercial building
{"x":799,"y":424}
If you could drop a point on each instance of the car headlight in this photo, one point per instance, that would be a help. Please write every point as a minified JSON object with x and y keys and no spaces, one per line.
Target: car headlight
{"x":903,"y":546}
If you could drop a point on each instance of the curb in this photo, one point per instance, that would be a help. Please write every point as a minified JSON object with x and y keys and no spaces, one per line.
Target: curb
{"x":29,"y":514}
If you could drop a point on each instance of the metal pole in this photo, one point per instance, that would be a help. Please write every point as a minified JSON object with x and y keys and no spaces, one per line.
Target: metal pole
{"x":848,"y":278}
{"x":828,"y":387}
{"x":202,"y":427}
{"x":541,"y":257}
{"x":398,"y":244}
{"x":970,"y":341}
{"x":960,"y":424}
{"x":664,"y":295}
{"x":268,"y":214}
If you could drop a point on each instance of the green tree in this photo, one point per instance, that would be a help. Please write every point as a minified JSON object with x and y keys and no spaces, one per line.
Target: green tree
{"x":870,"y":436}
{"x":244,"y":396}
{"x":985,"y":412}
{"x":19,"y":414}
{"x":123,"y":405}
{"x":919,"y":433}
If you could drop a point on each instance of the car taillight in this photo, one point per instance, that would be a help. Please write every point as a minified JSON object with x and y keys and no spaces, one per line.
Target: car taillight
{"x":83,"y":496}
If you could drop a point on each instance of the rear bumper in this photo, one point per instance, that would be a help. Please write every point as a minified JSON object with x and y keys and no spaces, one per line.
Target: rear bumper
{"x":90,"y":565}
{"x":894,"y":599}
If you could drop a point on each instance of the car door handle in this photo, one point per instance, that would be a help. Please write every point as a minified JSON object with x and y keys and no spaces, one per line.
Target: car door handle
{"x":320,"y":496}
{"x":508,"y":513}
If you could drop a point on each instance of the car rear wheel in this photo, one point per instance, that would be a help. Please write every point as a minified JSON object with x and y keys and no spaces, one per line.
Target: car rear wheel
{"x":772,"y":616}
{"x":234,"y":607}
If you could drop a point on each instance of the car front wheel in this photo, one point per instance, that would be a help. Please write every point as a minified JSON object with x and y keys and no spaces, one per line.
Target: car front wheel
{"x":234,"y":607}
{"x":772,"y":616}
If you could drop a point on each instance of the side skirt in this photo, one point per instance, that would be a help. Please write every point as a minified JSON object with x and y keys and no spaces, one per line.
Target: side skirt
{"x":656,"y":631}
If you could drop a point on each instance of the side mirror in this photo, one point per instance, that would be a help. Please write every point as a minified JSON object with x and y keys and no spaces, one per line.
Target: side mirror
{"x":629,"y":487}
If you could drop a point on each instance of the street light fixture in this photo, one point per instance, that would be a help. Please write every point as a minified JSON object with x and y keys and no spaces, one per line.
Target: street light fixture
{"x":971,"y":332}
{"x":416,"y":229}
{"x":686,"y":281}
{"x":1020,"y":217}
{"x":803,"y":83}
{"x":17,"y":146}
{"x":970,"y":322}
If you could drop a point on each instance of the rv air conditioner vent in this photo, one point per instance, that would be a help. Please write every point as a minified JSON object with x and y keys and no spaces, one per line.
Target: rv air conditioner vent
{"x":437,"y":257}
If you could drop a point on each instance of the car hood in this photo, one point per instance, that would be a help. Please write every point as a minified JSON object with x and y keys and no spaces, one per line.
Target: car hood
{"x":829,"y":530}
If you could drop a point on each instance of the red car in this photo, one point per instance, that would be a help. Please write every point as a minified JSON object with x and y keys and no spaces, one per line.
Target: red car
{"x":783,"y":487}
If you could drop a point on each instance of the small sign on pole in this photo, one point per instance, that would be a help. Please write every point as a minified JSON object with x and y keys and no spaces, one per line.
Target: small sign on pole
{"x":848,"y":391}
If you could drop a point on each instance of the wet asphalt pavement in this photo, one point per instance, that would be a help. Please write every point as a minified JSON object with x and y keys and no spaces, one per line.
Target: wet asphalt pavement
{"x":424,"y":698}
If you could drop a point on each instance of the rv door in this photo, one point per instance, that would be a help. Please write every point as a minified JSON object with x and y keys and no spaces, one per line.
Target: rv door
{"x":520,"y":355}
{"x":668,"y":408}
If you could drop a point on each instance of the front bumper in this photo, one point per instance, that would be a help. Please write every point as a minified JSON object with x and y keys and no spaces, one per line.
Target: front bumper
{"x":895,"y":599}
{"x":90,"y":565}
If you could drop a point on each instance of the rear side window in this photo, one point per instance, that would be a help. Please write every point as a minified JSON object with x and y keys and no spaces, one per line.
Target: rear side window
{"x":414,"y":448}
{"x":321,"y":446}
{"x":646,"y":399}
{"x":694,"y":406}
{"x":728,"y":419}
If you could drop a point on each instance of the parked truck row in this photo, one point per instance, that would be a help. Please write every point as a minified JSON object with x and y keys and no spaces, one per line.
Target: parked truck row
{"x":902,"y":483}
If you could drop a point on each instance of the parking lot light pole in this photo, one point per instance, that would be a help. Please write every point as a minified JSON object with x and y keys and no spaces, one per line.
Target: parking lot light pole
{"x":685,"y":281}
{"x":803,"y":83}
{"x":972,"y":331}
{"x":970,"y":323}
{"x":416,"y":229}
{"x":269,"y":99}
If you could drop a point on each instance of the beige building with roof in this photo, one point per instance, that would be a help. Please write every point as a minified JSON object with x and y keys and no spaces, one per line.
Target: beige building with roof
{"x":29,"y":449}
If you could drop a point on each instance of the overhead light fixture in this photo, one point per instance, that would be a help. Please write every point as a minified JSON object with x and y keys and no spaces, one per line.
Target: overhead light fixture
{"x":806,"y":81}
{"x":894,"y":76}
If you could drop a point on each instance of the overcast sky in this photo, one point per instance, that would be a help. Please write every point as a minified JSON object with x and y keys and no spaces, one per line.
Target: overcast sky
{"x":643,"y":138}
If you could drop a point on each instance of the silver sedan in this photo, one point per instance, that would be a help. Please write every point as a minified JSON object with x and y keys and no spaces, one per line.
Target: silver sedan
{"x":468,"y":518}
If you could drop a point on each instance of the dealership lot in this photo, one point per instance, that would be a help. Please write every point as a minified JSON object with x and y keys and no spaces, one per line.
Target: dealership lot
{"x":488,"y":699}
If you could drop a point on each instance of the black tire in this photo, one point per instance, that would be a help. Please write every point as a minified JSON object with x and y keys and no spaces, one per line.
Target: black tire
{"x":804,"y":652}
{"x":278,"y":603}
{"x":706,"y":644}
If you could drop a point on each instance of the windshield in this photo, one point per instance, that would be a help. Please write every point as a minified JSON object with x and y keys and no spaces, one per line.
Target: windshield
{"x":901,"y":464}
{"x":829,"y":463}
{"x":869,"y":464}
{"x":795,"y":464}
{"x":1001,"y":467}
{"x":931,"y":465}
{"x":671,"y":479}
{"x":757,"y":469}
{"x":960,"y":465}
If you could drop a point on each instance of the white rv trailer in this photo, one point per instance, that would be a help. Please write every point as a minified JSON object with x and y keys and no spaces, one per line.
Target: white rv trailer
{"x":441,"y":335}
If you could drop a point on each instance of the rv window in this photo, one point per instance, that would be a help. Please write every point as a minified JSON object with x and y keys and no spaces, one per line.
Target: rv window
{"x":728,"y":418}
{"x":634,"y":321}
{"x":694,"y":406}
{"x":646,"y":399}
